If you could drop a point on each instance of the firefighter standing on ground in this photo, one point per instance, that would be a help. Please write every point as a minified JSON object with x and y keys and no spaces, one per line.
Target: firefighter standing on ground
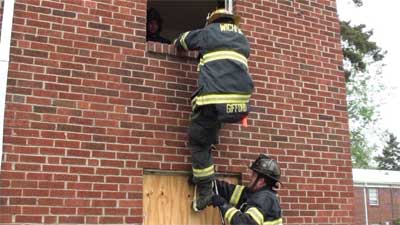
{"x":224,"y":90}
{"x":255,"y":204}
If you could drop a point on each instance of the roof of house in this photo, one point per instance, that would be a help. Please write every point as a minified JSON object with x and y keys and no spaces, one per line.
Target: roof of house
{"x":369,"y":176}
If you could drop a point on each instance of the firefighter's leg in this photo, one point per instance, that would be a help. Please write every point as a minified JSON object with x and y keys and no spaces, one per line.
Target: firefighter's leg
{"x":203,"y":131}
{"x":202,"y":177}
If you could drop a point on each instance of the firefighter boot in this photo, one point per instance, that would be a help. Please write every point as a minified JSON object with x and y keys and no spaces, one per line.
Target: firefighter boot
{"x":203,"y":198}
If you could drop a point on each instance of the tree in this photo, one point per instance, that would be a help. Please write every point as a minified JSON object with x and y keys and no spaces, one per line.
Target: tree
{"x":358,"y":2}
{"x":390,"y":158}
{"x":358,"y":50}
{"x":359,"y":53}
{"x":360,"y":150}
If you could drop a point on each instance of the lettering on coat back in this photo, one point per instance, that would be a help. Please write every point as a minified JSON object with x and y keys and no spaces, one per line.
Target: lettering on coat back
{"x":227,"y":27}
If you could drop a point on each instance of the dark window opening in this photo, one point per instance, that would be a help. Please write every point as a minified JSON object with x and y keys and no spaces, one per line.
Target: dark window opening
{"x":178,"y":16}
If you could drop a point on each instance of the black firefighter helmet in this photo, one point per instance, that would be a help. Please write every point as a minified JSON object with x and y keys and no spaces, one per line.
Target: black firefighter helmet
{"x":265,"y":166}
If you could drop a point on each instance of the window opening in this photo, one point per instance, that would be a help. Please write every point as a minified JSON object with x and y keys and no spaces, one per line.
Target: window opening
{"x":373,"y":196}
{"x":178,"y":16}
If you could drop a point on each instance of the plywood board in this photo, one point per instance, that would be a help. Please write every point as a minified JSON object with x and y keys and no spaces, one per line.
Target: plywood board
{"x":167,"y":201}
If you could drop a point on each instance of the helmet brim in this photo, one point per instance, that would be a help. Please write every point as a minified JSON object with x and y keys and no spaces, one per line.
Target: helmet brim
{"x":216,"y":16}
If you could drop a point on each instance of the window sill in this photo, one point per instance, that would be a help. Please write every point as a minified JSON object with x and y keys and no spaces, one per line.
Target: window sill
{"x":169,"y":49}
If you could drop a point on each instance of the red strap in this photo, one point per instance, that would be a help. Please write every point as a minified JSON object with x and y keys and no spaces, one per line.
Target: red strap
{"x":244,"y":121}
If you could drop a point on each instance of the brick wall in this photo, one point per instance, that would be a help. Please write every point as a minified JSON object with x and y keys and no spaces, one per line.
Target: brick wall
{"x":90,"y":105}
{"x":387,"y":210}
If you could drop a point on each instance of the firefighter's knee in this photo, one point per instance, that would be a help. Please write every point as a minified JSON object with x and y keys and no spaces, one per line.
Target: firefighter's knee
{"x":198,"y":135}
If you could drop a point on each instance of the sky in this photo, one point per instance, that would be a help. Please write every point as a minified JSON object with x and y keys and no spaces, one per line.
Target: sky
{"x":382,"y":16}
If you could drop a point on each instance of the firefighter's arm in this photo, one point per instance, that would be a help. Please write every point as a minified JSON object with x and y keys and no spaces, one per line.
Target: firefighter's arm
{"x":190,"y":40}
{"x":258,"y":205}
{"x":232,"y":193}
{"x":229,"y":197}
{"x":231,"y":214}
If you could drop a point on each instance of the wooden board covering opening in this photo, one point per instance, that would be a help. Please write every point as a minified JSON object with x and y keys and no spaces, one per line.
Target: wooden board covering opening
{"x":167,"y":201}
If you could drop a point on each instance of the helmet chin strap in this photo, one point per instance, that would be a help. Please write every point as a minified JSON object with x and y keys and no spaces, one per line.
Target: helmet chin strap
{"x":253,"y":186}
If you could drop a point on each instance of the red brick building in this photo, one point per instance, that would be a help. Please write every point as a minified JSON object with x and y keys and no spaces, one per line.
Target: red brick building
{"x":376,"y":196}
{"x":90,"y":107}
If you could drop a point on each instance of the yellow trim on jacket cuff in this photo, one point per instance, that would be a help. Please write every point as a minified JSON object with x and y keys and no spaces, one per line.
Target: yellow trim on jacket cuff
{"x":256,"y":215}
{"x":237,"y":192}
{"x":182,"y":41}
{"x":230,"y":213}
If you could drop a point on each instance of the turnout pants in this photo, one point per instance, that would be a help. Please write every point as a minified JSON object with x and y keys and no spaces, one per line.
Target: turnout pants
{"x":205,"y":123}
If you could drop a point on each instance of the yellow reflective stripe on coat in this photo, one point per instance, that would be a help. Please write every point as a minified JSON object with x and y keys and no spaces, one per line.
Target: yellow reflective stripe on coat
{"x":182,"y":41}
{"x":223,"y":54}
{"x":274,"y":222}
{"x":221,"y":98}
{"x":230,"y":213}
{"x":256,"y":215}
{"x":236,"y":195}
{"x":203,"y":172}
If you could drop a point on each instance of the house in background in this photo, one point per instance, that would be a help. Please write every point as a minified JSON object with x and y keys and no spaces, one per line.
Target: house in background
{"x":376,"y":197}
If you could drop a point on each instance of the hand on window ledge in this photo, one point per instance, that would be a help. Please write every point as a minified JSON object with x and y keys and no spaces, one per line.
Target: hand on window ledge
{"x":169,"y":49}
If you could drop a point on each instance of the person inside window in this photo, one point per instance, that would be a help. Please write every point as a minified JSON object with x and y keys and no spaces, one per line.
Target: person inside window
{"x":154,"y":27}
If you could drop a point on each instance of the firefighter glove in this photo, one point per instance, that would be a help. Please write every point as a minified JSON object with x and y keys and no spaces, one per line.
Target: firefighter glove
{"x":218,"y":201}
{"x":221,"y":203}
